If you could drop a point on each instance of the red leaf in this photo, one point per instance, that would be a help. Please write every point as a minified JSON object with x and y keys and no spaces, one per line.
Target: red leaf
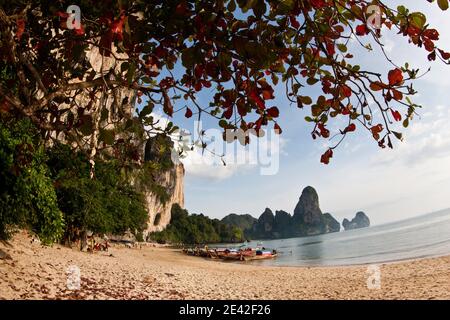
{"x":273,"y":112}
{"x":397,"y":95}
{"x":377,"y":86}
{"x":351,"y":128}
{"x":228,"y":113}
{"x":167,"y":107}
{"x":395,"y":77}
{"x":331,"y":49}
{"x":294,"y":23}
{"x":346,"y":91}
{"x":199,"y":70}
{"x":80,"y":30}
{"x":188,"y":113}
{"x":325,"y":159}
{"x":376,"y":131}
{"x":397,"y":116}
{"x":117,"y":27}
{"x":324,"y":132}
{"x":445,"y":55}
{"x":361,"y":30}
{"x":268,"y":94}
{"x":20,"y":28}
{"x":277,"y":129}
{"x":257,"y":99}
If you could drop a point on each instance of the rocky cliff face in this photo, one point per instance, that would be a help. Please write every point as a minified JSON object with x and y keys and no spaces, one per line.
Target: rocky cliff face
{"x":361,"y":220}
{"x":263,"y":228}
{"x":116,"y":106}
{"x":159,"y":213}
{"x":308,"y":219}
{"x":330,"y":223}
{"x":307,"y":211}
{"x":283,"y":224}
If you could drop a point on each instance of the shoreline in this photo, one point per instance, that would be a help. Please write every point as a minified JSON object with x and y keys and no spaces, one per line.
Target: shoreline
{"x":37,"y":272}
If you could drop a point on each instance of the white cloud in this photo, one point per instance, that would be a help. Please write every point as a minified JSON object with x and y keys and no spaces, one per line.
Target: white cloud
{"x":426,"y":140}
{"x":236,"y":159}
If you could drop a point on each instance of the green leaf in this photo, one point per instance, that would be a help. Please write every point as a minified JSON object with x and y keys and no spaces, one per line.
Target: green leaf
{"x":398,"y":135}
{"x":443,"y":4}
{"x":124,"y":66}
{"x":312,"y":81}
{"x":146,"y":110}
{"x":418,"y":19}
{"x":188,"y":57}
{"x":87,"y":125}
{"x":107,"y":136}
{"x":231,"y":6}
{"x":105,"y":114}
{"x":131,"y":72}
{"x":342,"y":47}
{"x":305,"y":100}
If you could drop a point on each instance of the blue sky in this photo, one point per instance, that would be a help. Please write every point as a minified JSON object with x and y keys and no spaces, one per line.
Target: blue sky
{"x":388,"y":185}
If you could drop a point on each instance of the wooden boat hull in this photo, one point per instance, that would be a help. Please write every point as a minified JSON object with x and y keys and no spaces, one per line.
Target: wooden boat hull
{"x":260,"y":257}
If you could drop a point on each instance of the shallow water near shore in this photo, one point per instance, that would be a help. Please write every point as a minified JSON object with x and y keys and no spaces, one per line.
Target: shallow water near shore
{"x":419,"y":237}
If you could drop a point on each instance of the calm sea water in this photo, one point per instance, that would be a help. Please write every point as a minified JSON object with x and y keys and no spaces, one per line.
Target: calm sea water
{"x":419,"y":237}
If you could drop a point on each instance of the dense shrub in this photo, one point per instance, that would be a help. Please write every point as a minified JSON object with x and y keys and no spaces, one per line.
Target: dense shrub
{"x":51,"y":193}
{"x":27,"y":196}
{"x":105,"y":204}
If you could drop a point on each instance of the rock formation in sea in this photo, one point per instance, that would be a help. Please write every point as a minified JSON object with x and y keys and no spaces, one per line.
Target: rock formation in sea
{"x":308,"y":219}
{"x":282,"y":224}
{"x":331,"y":224}
{"x":361,"y":220}
{"x":263,"y":227}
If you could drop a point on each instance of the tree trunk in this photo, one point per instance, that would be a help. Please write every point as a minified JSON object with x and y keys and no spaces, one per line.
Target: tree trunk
{"x":83,"y":240}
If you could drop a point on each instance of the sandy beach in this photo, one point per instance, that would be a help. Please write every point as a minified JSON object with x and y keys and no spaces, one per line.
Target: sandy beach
{"x":36,"y":272}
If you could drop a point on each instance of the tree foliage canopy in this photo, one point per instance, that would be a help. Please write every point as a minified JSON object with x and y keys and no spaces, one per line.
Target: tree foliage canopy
{"x":50,"y":191}
{"x":242,"y":49}
{"x":197,"y":229}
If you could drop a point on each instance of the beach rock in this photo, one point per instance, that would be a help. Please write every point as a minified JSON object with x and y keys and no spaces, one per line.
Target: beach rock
{"x":4,"y":255}
{"x":361,"y":220}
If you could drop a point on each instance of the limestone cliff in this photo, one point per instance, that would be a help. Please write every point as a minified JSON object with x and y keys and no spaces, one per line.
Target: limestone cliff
{"x":361,"y":220}
{"x":112,"y":108}
{"x":309,"y":219}
{"x":159,"y":213}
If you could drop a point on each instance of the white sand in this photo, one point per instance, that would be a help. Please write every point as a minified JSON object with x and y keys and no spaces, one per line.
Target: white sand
{"x":37,"y":272}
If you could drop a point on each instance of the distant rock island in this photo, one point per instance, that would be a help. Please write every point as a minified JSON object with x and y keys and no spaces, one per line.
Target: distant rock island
{"x":361,"y":220}
{"x":307,"y":220}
